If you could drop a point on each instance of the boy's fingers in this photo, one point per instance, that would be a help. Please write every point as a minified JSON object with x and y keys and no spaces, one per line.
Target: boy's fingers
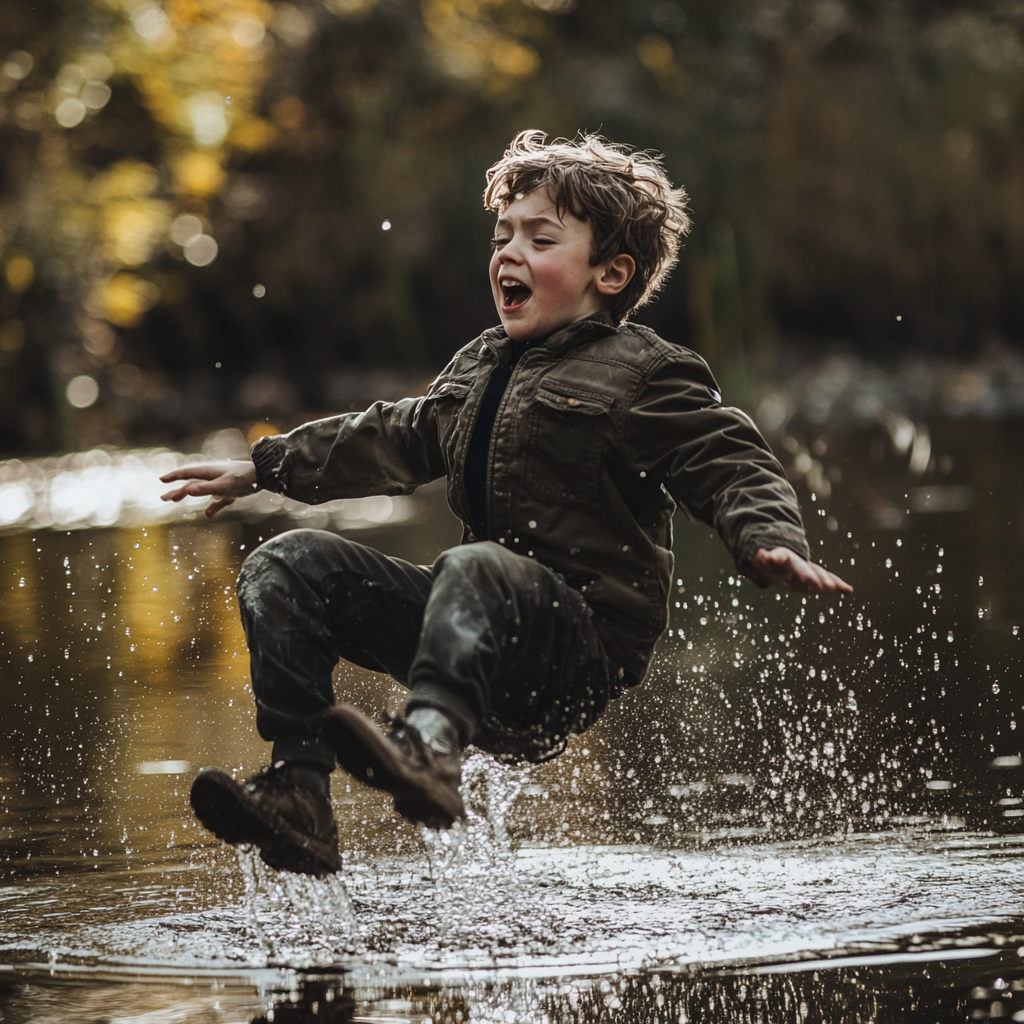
{"x":176,"y":495}
{"x":192,"y":490}
{"x":200,"y":489}
{"x":215,"y":506}
{"x":828,"y":582}
{"x":802,"y":574}
{"x":197,"y":472}
{"x":780,"y":565}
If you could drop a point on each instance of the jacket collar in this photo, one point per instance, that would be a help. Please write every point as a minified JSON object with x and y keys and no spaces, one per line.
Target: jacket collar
{"x":590,"y":329}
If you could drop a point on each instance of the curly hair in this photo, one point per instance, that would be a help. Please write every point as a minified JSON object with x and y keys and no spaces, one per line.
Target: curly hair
{"x":625,"y":196}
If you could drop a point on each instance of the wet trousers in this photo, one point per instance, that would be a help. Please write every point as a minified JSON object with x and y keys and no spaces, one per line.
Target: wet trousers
{"x":498,"y":642}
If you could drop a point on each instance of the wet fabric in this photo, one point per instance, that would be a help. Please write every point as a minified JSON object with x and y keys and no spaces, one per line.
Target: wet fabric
{"x":496,"y":640}
{"x":604,"y":431}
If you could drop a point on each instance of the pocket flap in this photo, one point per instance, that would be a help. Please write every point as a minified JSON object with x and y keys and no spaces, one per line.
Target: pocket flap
{"x":451,"y":389}
{"x":587,"y":403}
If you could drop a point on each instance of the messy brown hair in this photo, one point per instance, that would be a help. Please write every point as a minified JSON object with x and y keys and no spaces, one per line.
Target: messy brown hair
{"x":625,"y":196}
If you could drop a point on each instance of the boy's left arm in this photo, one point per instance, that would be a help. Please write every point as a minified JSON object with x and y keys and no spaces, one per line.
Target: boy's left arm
{"x":715,"y":463}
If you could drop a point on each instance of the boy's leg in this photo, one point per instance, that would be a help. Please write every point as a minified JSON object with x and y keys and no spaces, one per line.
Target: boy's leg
{"x":307,"y":598}
{"x":509,"y":648}
{"x":508,"y":652}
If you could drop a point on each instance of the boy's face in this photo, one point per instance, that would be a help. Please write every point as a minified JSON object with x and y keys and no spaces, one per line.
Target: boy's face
{"x":541,"y":277}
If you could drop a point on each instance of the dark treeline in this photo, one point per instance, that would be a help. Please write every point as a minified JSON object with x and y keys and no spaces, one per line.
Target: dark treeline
{"x":228,"y":211}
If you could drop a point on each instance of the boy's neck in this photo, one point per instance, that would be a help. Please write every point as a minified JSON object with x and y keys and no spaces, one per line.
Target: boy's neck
{"x":602,"y":317}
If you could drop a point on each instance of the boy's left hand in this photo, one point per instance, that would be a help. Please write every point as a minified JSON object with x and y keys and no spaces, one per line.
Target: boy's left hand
{"x":782,"y":567}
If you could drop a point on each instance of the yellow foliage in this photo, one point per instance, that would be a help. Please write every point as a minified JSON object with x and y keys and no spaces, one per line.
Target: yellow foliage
{"x":133,"y":229}
{"x":200,"y":68}
{"x":288,"y":113}
{"x":198,"y":173}
{"x":350,"y":8}
{"x":128,"y":179}
{"x":123,"y":299}
{"x":471,"y":44}
{"x":20,"y":272}
{"x":259,"y":429}
{"x":201,"y":75}
{"x":253,"y":134}
{"x":12,"y":337}
{"x":12,"y":340}
{"x":655,"y":53}
{"x":512,"y":58}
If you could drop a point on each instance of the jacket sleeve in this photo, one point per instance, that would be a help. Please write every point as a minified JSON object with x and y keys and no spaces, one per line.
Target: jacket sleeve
{"x":391,"y":448}
{"x":712,"y":460}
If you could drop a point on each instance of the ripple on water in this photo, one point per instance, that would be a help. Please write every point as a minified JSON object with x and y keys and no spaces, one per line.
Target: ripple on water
{"x":467,"y":903}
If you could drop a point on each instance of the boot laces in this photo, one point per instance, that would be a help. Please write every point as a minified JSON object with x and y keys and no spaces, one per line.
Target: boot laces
{"x":408,"y":737}
{"x":271,"y":778}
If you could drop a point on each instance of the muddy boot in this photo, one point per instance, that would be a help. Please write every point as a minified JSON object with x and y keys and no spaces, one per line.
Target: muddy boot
{"x":418,"y":762}
{"x":284,"y":810}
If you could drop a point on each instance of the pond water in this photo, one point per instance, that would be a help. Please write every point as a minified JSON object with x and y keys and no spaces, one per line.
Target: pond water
{"x":812,"y":809}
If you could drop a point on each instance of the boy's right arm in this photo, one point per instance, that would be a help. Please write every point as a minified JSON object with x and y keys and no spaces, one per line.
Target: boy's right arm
{"x":391,"y":448}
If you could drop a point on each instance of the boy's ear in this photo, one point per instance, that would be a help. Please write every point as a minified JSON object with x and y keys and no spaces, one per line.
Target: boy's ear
{"x":615,"y":274}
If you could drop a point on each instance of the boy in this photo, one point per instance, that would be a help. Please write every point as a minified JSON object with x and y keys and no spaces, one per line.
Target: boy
{"x":568,"y":436}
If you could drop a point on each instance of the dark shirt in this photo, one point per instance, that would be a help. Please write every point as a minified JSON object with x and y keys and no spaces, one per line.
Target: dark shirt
{"x":477,"y":458}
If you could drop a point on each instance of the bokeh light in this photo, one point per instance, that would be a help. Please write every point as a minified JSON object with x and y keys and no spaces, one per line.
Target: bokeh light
{"x":201,"y":250}
{"x":82,"y":391}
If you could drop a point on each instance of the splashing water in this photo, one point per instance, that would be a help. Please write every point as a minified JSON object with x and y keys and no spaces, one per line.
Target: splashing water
{"x":484,"y":904}
{"x":294,"y":919}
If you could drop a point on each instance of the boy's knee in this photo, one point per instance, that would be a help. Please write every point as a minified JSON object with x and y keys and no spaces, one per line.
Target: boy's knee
{"x":489,"y":562}
{"x":285,"y":554}
{"x":472,"y":558}
{"x":282,"y":548}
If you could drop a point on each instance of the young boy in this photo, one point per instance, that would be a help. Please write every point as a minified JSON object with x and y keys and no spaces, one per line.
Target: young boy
{"x":568,"y":436}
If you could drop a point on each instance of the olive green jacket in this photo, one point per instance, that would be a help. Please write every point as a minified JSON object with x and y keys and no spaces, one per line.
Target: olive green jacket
{"x":602,"y":431}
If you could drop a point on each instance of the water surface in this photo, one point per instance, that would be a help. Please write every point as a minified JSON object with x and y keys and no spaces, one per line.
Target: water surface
{"x":812,"y":808}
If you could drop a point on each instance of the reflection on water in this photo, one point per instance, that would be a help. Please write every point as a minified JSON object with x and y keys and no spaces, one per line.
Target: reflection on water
{"x":800,"y":780}
{"x":111,"y":488}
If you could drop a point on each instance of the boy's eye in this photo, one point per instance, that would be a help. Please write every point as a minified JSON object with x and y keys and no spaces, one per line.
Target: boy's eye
{"x":497,"y":243}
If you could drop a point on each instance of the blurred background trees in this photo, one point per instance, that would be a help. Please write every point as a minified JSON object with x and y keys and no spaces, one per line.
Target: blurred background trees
{"x":246,"y":212}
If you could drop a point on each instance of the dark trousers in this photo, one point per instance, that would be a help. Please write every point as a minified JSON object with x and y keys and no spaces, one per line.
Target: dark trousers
{"x":497,"y":641}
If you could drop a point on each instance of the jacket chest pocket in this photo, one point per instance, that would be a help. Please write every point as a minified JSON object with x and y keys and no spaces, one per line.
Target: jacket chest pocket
{"x":449,"y":398}
{"x":565,"y":443}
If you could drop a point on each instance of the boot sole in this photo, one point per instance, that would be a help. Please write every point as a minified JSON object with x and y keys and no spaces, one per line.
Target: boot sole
{"x":225,"y":809}
{"x":364,"y":752}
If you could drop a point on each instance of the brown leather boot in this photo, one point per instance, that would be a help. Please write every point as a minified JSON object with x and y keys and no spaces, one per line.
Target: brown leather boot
{"x":284,"y":810}
{"x":421,"y":771}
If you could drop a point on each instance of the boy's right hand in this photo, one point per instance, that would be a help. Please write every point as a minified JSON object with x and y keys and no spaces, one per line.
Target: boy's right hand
{"x":224,"y":479}
{"x":785,"y":568}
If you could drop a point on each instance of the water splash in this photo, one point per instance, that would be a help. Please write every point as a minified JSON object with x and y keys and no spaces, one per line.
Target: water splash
{"x":485,"y":906}
{"x":295,"y":919}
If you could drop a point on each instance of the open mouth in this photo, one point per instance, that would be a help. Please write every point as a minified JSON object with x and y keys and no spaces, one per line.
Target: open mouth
{"x":513,"y":295}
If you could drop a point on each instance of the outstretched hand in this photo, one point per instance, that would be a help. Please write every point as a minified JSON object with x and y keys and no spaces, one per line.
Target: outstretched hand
{"x":785,"y":568}
{"x":223,"y":479}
